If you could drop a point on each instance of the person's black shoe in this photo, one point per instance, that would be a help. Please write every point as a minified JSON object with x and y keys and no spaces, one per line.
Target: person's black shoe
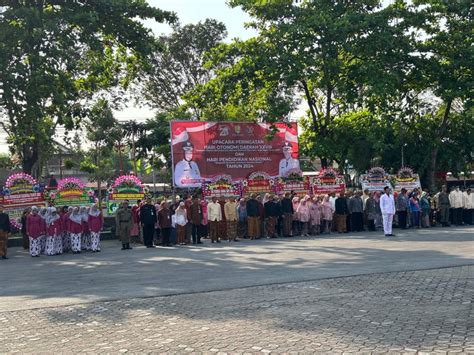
{"x":4,"y":257}
{"x":392,"y":235}
{"x":200,"y":242}
{"x":387,"y":235}
{"x":124,"y":247}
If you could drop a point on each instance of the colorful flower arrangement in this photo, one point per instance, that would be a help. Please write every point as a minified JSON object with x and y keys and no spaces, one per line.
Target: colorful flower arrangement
{"x":405,"y":172}
{"x":70,"y":183}
{"x":20,"y":178}
{"x":377,"y":171}
{"x":127,"y":180}
{"x":15,"y":224}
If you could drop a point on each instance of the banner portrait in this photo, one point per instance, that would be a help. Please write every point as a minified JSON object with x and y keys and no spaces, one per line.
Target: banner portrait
{"x":204,"y":150}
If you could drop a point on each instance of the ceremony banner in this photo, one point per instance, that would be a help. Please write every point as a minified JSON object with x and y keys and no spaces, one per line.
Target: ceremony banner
{"x":376,"y":179}
{"x":204,"y":150}
{"x":70,"y":192}
{"x":125,"y":187}
{"x":258,"y":183}
{"x":221,"y":186}
{"x":328,"y":181}
{"x":295,"y":183}
{"x":405,"y":178}
{"x":21,"y":191}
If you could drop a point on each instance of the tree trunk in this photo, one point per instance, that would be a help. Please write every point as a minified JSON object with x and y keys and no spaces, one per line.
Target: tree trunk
{"x":434,"y":152}
{"x":432,"y":170}
{"x":29,"y":160}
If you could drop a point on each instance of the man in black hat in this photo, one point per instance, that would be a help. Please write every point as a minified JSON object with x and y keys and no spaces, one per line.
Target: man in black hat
{"x":288,"y":163}
{"x":186,"y":171}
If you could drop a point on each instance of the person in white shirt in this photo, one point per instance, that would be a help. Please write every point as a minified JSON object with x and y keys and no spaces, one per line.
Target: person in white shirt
{"x":214,"y":216}
{"x":387,"y":206}
{"x":456,"y":201}
{"x":468,"y":203}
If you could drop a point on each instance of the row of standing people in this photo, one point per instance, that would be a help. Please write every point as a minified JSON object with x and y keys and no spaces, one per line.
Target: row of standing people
{"x":52,"y":231}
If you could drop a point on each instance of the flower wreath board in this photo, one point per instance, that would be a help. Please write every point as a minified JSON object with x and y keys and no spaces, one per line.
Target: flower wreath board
{"x":376,"y":179}
{"x":258,"y":183}
{"x":125,"y":187}
{"x":296,"y":183}
{"x":407,"y":179}
{"x":70,"y":192}
{"x":328,"y":181}
{"x":221,"y":186}
{"x":20,"y":191}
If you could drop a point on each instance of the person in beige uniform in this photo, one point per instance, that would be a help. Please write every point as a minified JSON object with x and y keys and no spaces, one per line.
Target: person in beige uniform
{"x":230,"y":211}
{"x":124,"y":220}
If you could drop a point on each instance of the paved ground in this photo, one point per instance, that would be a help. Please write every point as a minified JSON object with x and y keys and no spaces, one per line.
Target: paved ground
{"x":338,"y":293}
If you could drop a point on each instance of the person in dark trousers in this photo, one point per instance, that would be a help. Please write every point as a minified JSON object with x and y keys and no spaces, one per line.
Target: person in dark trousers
{"x":341,"y":213}
{"x":402,"y":208}
{"x":356,"y":209}
{"x":164,"y":220}
{"x":287,"y":212}
{"x":148,"y":219}
{"x":4,"y":232}
{"x":253,"y":217}
{"x":195,"y":215}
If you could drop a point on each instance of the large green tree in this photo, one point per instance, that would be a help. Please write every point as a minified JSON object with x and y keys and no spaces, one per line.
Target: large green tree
{"x":445,"y":53}
{"x":339,"y":57}
{"x":55,"y":56}
{"x":178,"y":65}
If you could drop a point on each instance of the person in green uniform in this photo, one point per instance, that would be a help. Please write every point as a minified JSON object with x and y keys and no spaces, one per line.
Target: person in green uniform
{"x":124,"y":220}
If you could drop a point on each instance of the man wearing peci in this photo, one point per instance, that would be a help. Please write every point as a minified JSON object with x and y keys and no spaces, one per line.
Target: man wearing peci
{"x":288,"y":163}
{"x":186,"y":172}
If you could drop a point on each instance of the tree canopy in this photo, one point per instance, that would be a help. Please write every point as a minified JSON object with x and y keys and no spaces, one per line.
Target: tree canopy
{"x":55,"y":57}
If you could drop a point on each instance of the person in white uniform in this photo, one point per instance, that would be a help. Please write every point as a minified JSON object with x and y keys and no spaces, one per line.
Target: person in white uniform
{"x":387,"y":206}
{"x":186,"y":171}
{"x":288,"y":163}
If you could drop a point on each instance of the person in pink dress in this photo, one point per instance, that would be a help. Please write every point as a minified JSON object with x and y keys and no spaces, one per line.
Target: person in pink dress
{"x":75,"y":230}
{"x":296,"y":217}
{"x":315,"y":216}
{"x":42,"y":212}
{"x":327,"y":212}
{"x":54,"y":243}
{"x":303,"y":215}
{"x":203,"y":227}
{"x":65,"y":213}
{"x":86,"y":235}
{"x":35,"y":228}
{"x":95,"y":222}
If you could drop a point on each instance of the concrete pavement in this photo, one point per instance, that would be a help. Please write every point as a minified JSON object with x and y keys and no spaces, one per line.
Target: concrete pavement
{"x":114,"y":274}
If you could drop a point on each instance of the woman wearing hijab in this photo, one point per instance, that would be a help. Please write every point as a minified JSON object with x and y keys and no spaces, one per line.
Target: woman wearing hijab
{"x":414,"y":204}
{"x":35,"y":228}
{"x":304,"y":216}
{"x":315,"y":216}
{"x":43,"y":211}
{"x":86,"y":235}
{"x":425,"y":210}
{"x":326,"y":214}
{"x":296,"y":219}
{"x":54,"y":239}
{"x":179,"y":221}
{"x":95,"y":223}
{"x":65,"y":213}
{"x":75,"y":230}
